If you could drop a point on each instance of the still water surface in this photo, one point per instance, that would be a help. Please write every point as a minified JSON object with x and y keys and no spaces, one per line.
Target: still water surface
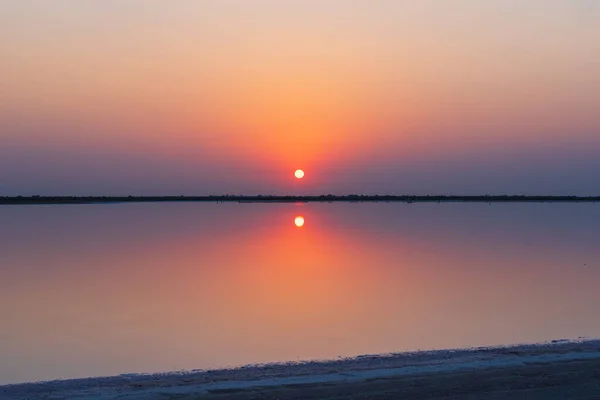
{"x":92,"y":290}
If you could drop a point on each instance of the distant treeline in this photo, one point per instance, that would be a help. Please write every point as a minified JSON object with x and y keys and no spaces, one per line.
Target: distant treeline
{"x":22,"y":200}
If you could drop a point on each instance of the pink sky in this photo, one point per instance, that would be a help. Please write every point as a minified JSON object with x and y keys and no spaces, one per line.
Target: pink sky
{"x":145,"y":97}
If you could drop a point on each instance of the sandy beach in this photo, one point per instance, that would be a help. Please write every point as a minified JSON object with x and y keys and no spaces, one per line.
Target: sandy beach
{"x":557,"y":370}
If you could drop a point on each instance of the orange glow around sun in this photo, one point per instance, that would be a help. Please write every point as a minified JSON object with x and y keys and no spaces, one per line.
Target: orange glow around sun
{"x":299,"y":221}
{"x":299,"y":174}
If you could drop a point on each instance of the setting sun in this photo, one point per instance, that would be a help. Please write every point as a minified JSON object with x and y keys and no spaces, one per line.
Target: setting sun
{"x":299,"y":174}
{"x":299,"y":221}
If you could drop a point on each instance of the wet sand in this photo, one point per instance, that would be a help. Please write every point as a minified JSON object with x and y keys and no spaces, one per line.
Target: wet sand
{"x":559,"y":370}
{"x":560,"y":380}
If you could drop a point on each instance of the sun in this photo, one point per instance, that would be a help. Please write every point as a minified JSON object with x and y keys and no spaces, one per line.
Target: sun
{"x":299,"y":174}
{"x":299,"y":221}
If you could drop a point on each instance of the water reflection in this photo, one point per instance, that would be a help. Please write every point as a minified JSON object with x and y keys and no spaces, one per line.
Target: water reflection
{"x":299,"y":221}
{"x":96,"y":290}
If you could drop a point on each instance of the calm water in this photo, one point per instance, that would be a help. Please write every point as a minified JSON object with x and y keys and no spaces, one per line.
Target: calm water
{"x":106,"y":289}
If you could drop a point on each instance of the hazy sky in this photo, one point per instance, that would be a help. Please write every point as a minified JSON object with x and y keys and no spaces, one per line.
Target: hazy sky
{"x":224,"y":96}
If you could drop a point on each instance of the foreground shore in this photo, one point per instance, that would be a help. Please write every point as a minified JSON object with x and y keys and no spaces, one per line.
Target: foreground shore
{"x":558,"y":370}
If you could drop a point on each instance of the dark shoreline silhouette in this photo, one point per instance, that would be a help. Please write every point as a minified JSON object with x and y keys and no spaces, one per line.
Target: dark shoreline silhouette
{"x":32,"y":200}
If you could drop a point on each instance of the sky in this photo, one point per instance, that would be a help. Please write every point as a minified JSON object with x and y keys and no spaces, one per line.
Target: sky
{"x":148,"y":97}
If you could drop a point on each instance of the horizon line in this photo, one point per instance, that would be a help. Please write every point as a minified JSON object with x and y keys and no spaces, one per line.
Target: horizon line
{"x":268,"y":198}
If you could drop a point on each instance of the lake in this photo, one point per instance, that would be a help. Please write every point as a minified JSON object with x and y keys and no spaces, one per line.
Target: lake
{"x":91,"y":290}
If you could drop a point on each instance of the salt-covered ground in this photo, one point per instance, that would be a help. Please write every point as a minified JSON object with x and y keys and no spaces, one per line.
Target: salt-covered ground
{"x":560,"y":368}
